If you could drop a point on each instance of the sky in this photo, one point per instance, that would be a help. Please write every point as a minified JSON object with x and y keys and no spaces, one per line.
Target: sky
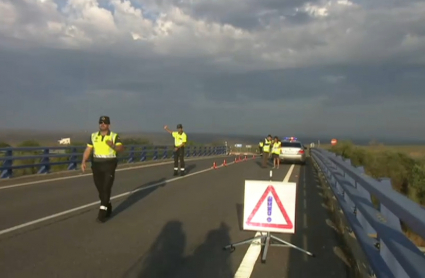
{"x":290,"y":67}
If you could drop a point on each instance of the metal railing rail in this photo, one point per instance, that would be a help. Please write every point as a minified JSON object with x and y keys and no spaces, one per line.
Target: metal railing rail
{"x":391,"y":253}
{"x":43,"y":158}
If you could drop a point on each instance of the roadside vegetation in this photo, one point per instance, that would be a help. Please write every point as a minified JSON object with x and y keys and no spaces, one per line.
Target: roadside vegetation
{"x":78,"y":148}
{"x":404,"y":165}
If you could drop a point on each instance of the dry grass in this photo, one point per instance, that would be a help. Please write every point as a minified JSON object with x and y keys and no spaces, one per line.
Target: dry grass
{"x":414,"y":151}
{"x":403,"y":164}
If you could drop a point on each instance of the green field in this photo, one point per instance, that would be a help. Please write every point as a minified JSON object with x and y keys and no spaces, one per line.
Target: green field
{"x":405,"y":165}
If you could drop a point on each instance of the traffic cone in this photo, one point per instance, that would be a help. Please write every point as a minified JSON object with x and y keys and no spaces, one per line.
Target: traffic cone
{"x":245,"y":157}
{"x":224,"y":163}
{"x":214,"y":165}
{"x":236,"y":160}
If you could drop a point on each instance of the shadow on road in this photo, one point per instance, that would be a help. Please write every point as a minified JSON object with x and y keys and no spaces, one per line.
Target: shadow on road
{"x":166,"y":256}
{"x":137,"y":196}
{"x":190,"y":167}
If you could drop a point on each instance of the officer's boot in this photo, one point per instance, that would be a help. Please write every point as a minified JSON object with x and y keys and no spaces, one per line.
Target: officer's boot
{"x":182,"y":172}
{"x":101,"y":217}
{"x":176,"y":171}
{"x":109,"y":210}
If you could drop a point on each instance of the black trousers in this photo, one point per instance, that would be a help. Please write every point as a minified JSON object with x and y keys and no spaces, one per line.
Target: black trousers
{"x":104,"y":176}
{"x":179,"y":154}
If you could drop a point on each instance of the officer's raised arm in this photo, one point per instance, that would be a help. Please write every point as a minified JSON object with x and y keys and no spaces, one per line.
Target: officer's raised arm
{"x":167,"y":129}
{"x":117,"y":146}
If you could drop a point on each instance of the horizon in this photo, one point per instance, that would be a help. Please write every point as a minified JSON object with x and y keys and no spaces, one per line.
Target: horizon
{"x":254,"y":138}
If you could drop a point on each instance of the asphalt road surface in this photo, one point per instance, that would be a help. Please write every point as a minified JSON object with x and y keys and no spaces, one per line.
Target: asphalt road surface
{"x":168,"y":227}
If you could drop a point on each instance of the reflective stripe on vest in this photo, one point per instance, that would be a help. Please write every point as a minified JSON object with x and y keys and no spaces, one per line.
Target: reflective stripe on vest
{"x":101,"y":149}
{"x":276,"y":147}
{"x":266,"y":147}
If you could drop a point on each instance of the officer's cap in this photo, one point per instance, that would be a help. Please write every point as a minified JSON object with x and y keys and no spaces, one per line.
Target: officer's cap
{"x":179,"y":126}
{"x":104,"y":119}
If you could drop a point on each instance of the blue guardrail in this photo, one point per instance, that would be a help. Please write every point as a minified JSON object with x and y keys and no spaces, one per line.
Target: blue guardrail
{"x":43,"y":158}
{"x":378,"y":230}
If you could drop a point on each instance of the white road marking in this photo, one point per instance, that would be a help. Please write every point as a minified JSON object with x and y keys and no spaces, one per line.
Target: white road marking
{"x":248,"y":262}
{"x":288,"y":175}
{"x":247,"y":266}
{"x":305,"y":220}
{"x":89,"y":174}
{"x":98,"y":202}
{"x":305,"y":246}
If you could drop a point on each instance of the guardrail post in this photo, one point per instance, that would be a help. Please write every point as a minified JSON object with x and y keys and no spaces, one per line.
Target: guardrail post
{"x":143,"y":154}
{"x":45,"y":160}
{"x":188,"y":152}
{"x":8,"y":162}
{"x":370,"y":231}
{"x":165,"y":154}
{"x":394,"y":222}
{"x":73,"y":160}
{"x":131,"y":155}
{"x":194,"y":151}
{"x":155,"y":153}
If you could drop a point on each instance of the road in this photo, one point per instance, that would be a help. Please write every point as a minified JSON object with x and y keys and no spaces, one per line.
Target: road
{"x":169,"y":227}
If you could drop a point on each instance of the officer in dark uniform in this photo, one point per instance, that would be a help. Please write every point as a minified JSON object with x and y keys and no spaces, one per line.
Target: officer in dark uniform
{"x":266,"y":150}
{"x":180,"y":140}
{"x":105,"y":144}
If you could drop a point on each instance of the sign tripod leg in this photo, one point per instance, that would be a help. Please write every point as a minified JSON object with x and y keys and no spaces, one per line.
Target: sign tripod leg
{"x":265,"y":241}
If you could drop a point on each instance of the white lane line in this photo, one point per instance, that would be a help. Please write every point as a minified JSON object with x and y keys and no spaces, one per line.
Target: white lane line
{"x":247,"y":266}
{"x":248,"y":262}
{"x":288,"y":175}
{"x":98,"y":202}
{"x":89,"y":174}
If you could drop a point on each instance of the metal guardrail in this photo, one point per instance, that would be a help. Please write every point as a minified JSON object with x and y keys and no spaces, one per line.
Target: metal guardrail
{"x":389,"y":252}
{"x":44,"y":158}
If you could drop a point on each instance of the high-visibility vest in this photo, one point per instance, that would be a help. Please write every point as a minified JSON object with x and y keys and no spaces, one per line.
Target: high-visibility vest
{"x":100,"y":148}
{"x":276,"y":147}
{"x":179,"y":139}
{"x":261,"y":144}
{"x":266,"y":147}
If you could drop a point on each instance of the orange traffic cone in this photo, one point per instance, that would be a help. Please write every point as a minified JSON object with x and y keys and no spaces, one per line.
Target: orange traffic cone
{"x":224,"y":163}
{"x":214,"y":165}
{"x":245,"y":157}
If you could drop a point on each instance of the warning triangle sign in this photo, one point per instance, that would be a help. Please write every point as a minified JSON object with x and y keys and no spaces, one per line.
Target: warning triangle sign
{"x":271,"y":215}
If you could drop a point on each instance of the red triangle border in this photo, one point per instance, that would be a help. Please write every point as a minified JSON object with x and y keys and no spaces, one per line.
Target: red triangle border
{"x":271,"y":189}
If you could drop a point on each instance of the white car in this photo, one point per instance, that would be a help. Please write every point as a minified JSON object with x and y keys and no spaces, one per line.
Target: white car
{"x":293,"y":151}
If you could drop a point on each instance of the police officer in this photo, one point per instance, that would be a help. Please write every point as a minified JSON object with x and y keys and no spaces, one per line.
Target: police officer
{"x":276,"y":152}
{"x":105,"y":144}
{"x":260,"y":147}
{"x":266,"y":149}
{"x":180,"y":140}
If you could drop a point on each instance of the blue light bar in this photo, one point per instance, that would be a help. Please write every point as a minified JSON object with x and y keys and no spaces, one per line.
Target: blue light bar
{"x":291,"y":138}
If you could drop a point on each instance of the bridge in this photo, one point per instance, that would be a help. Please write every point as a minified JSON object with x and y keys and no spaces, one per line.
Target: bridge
{"x":166,"y":226}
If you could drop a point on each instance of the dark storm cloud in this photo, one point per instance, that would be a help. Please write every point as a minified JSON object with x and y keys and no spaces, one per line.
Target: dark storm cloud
{"x":249,"y":14}
{"x":145,"y":84}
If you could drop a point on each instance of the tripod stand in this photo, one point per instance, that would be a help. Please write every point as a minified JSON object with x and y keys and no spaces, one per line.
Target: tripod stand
{"x":265,"y":242}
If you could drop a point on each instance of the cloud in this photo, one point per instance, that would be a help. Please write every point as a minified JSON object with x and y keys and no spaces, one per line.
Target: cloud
{"x":254,"y":66}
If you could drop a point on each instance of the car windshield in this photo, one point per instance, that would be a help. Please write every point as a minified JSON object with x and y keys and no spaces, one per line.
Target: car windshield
{"x":291,"y":144}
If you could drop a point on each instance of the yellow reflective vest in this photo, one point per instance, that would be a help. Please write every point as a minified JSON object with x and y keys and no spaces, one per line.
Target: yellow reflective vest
{"x":101,"y":150}
{"x":266,"y":147}
{"x":276,"y":147}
